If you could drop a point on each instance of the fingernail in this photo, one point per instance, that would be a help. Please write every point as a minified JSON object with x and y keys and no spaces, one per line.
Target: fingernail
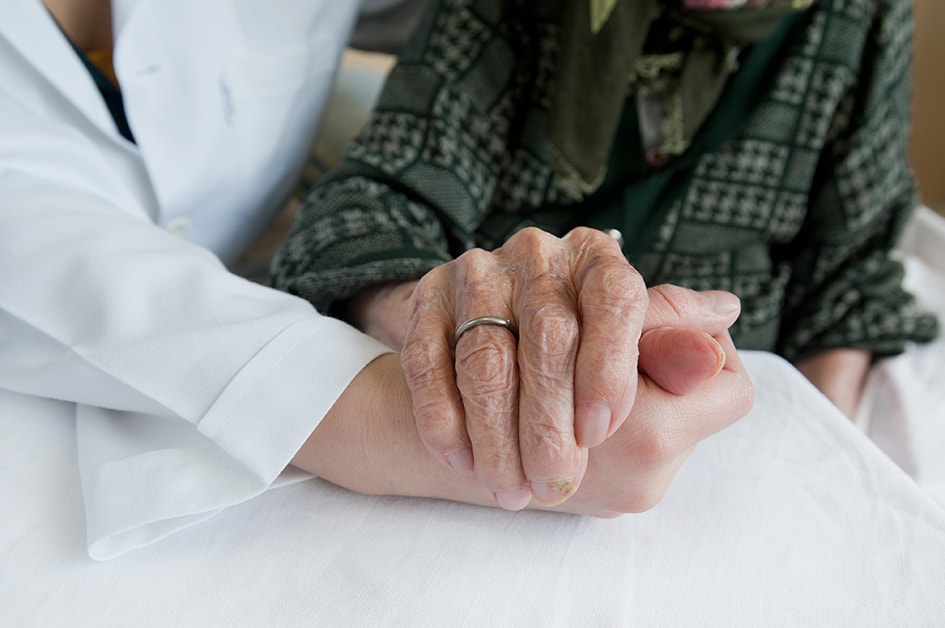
{"x":460,"y":460}
{"x":721,"y":302}
{"x":593,"y":424}
{"x":515,"y":499}
{"x":552,"y":492}
{"x":719,"y":356}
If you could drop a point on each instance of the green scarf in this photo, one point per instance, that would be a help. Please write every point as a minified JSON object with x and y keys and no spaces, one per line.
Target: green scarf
{"x":683,"y":56}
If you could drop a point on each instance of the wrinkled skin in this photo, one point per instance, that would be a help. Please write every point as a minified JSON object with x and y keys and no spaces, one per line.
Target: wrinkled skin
{"x":520,"y":415}
{"x":368,"y":442}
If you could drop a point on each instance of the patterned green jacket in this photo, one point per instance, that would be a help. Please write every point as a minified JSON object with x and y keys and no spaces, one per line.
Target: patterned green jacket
{"x":791,"y":196}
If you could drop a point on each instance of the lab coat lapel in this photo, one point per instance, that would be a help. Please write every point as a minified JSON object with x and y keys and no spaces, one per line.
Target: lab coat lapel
{"x":170,"y":61}
{"x":29,"y":27}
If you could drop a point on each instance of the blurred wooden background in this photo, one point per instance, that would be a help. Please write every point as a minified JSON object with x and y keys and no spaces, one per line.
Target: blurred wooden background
{"x":928,"y":133}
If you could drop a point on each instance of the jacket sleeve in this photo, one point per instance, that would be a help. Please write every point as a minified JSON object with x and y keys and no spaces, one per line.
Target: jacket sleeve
{"x":846,"y":288}
{"x":384,"y":25}
{"x":441,"y":156}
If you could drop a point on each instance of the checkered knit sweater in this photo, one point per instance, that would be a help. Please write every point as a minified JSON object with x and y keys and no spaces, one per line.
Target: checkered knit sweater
{"x":791,"y":197}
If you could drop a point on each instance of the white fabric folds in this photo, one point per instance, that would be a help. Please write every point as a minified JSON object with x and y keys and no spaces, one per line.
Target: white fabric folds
{"x":791,"y":517}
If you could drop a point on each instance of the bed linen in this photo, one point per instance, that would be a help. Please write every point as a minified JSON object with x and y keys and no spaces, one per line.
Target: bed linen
{"x":790,"y":517}
{"x":903,"y":409}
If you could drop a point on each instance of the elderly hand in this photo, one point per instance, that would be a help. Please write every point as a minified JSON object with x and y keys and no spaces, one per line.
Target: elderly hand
{"x":372,"y":423}
{"x":520,"y":414}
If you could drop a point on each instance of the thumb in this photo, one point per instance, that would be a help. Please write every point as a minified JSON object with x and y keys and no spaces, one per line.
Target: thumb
{"x":680,"y":360}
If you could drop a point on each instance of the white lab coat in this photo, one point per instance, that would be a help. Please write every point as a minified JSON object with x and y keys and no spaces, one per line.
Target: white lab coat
{"x":193,"y":387}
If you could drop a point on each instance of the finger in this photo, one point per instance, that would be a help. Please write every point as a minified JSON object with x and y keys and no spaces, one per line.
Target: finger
{"x":666,"y":423}
{"x":661,"y":432}
{"x":680,"y":360}
{"x":549,"y":333}
{"x":487,"y":378}
{"x":612,"y":301}
{"x":427,"y":361}
{"x":711,"y":311}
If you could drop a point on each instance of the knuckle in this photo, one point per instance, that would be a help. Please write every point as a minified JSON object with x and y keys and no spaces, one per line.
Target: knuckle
{"x":590,"y":245}
{"x":551,"y":328}
{"x":436,"y":431}
{"x":588,"y":233}
{"x":476,"y":271}
{"x":429,"y":288}
{"x":475,"y":260}
{"x":546,"y":443}
{"x":612,"y":285}
{"x":674,"y":299}
{"x":656,"y":449}
{"x":534,"y":253}
{"x":745,"y":398}
{"x":530,"y":237}
{"x":420,"y":362}
{"x":588,"y":236}
{"x":429,"y":306}
{"x":486,"y":367}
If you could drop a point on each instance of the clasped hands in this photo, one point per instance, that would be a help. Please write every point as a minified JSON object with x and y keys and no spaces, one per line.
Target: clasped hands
{"x":605,"y":391}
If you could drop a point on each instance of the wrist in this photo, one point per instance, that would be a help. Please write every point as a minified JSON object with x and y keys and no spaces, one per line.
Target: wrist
{"x":368,"y":443}
{"x":839,"y":374}
{"x":380,"y":311}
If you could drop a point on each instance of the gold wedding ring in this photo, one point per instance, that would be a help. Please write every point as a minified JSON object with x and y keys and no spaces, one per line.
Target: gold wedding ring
{"x":483,"y":320}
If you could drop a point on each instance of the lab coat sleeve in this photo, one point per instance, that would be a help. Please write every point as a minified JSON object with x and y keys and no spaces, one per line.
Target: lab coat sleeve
{"x":152,"y":337}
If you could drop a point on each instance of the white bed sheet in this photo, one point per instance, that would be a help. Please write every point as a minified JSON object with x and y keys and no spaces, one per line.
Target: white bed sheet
{"x":791,"y":517}
{"x":903,"y":409}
